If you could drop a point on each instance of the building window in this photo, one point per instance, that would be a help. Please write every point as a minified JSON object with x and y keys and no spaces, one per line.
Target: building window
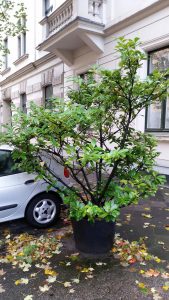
{"x":48,"y":96}
{"x":22,"y":40}
{"x":19,"y":46}
{"x":23,"y":101}
{"x":84,"y":75}
{"x":7,"y":112}
{"x":6,"y":53}
{"x":48,"y":7}
{"x":159,"y":59}
{"x":157,"y":114}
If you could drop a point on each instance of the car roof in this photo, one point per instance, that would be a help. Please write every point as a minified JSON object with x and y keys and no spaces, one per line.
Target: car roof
{"x":6,"y":147}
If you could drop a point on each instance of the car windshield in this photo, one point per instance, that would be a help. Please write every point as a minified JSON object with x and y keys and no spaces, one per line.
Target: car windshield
{"x":7,"y":163}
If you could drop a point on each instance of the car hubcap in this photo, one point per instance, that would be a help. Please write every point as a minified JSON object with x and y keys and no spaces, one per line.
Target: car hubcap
{"x":44,"y":211}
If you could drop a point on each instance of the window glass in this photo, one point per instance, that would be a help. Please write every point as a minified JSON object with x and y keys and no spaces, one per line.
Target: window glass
{"x":48,"y":96}
{"x":6,"y":55}
{"x":154,"y":116}
{"x":7,"y":164}
{"x":19,"y":46}
{"x":48,"y":6}
{"x":23,"y":103}
{"x":24,"y":43}
{"x":22,"y":38}
{"x":159,"y":60}
{"x":158,"y":113}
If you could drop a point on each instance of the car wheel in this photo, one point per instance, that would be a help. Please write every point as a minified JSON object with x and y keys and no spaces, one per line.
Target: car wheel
{"x":43,"y":210}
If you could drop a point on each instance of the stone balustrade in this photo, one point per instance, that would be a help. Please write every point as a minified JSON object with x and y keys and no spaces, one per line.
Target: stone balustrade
{"x":92,"y":10}
{"x":60,"y":17}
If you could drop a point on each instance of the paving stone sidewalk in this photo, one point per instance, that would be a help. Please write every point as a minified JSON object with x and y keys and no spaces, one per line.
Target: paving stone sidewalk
{"x":109,"y":280}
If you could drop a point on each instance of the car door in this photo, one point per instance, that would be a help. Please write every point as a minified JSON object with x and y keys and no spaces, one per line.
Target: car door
{"x":15,"y":186}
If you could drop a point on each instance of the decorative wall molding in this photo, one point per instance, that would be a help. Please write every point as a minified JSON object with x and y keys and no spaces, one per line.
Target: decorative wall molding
{"x":156,"y":43}
{"x":6,"y":94}
{"x":37,"y":87}
{"x":29,"y":89}
{"x":15,"y":95}
{"x":29,"y":68}
{"x":5,"y":71}
{"x":23,"y":71}
{"x":33,"y":88}
{"x":23,"y":87}
{"x":46,"y":77}
{"x":94,"y":7}
{"x":135,"y":16}
{"x":51,"y":77}
{"x":56,"y":80}
{"x":20,"y":59}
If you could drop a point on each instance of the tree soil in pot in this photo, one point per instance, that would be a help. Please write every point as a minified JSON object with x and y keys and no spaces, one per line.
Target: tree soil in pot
{"x":93,"y":238}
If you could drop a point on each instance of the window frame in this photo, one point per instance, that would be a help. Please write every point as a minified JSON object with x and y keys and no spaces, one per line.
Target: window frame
{"x":47,"y":9}
{"x":163,"y":103}
{"x":22,"y":45}
{"x":23,"y":102}
{"x":46,"y":102}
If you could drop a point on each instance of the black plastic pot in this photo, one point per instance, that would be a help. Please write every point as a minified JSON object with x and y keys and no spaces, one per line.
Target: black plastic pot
{"x":93,"y":238}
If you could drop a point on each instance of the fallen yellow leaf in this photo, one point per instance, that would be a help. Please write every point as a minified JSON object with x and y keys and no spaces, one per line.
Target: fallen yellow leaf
{"x":166,"y":288}
{"x":141,"y":285}
{"x":147,"y":216}
{"x":158,"y":260}
{"x":50,"y":272}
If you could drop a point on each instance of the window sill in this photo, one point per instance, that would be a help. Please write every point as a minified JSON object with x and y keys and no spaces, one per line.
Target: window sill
{"x":20,"y":59}
{"x":162,"y":136}
{"x":5,"y":71}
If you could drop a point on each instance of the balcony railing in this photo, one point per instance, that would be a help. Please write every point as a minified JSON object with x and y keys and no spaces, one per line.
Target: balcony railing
{"x":60,"y":17}
{"x":69,"y":10}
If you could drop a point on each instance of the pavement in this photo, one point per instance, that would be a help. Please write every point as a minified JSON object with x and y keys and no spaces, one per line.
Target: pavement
{"x":96,"y":278}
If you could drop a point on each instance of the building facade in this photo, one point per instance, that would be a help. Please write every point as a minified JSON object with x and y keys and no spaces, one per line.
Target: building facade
{"x":65,"y":38}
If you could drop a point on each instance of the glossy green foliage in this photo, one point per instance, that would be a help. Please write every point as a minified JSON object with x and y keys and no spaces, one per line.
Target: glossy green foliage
{"x":93,"y":135}
{"x":12,"y":14}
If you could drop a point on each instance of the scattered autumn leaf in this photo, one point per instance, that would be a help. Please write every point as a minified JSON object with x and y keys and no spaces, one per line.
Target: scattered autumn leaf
{"x":44,"y":288}
{"x":50,"y":272}
{"x":22,"y":281}
{"x":28,"y":297}
{"x":167,"y":227}
{"x":165,"y":288}
{"x":147,"y":216}
{"x":2,"y":272}
{"x":75,"y":280}
{"x":165,"y":275}
{"x":67,"y":284}
{"x":51,"y":279}
{"x":151,"y":273}
{"x":156,"y":296}
{"x":2,"y":290}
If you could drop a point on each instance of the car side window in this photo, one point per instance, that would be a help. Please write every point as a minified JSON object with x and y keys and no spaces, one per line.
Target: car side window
{"x":7,"y":164}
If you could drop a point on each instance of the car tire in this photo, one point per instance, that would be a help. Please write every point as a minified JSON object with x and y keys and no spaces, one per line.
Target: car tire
{"x":43,"y":210}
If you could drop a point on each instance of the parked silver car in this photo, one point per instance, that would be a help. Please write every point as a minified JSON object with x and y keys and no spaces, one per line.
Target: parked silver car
{"x":22,"y":196}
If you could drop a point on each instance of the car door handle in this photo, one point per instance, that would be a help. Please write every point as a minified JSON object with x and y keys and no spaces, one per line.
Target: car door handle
{"x":29,"y":181}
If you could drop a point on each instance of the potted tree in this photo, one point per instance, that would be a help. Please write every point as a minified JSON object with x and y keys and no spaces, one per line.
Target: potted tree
{"x":93,"y":136}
